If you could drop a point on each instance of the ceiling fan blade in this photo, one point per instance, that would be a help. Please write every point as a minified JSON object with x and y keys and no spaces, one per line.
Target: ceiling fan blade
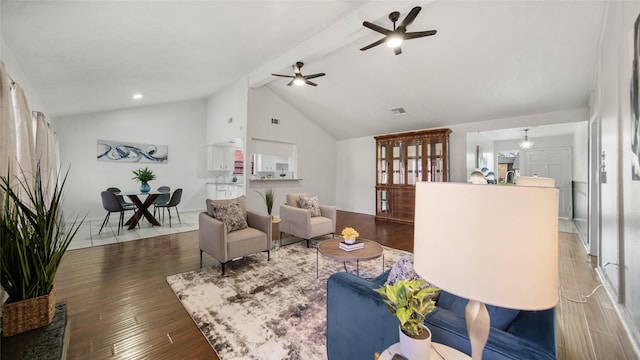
{"x":376,"y":28}
{"x":373,"y":44}
{"x":410,"y":17}
{"x":314,"y":76}
{"x":287,"y":76}
{"x":310,"y":83}
{"x":418,"y":34}
{"x":397,"y":50}
{"x":290,"y":83}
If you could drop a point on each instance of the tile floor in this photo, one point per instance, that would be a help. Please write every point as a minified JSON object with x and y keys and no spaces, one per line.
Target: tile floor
{"x":88,"y":235}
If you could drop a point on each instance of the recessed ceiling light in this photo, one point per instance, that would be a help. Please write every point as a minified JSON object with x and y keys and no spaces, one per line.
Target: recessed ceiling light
{"x":137,"y":96}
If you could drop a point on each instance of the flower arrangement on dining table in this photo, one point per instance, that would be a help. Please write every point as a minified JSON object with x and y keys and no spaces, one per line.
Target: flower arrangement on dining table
{"x":349,"y":234}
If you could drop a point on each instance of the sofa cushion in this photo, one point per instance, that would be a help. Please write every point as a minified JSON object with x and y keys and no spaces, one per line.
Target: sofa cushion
{"x":500,"y":317}
{"x":230,"y":214}
{"x":310,"y":203}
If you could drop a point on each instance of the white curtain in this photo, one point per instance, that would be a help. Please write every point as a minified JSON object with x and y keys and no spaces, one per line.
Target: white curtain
{"x":46,"y":148}
{"x":23,"y":147}
{"x":8,"y":159}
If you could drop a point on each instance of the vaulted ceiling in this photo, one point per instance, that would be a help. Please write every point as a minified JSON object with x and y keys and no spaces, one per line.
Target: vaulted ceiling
{"x":489,"y":59}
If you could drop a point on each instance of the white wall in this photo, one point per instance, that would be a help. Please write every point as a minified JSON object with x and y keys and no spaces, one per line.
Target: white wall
{"x":619,"y":214}
{"x":620,"y":195}
{"x":228,"y":103}
{"x":356,"y":157}
{"x":179,"y":125}
{"x":362,"y":151}
{"x":316,"y":150}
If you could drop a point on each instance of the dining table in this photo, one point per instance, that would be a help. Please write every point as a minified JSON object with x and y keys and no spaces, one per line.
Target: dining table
{"x":142,"y":207}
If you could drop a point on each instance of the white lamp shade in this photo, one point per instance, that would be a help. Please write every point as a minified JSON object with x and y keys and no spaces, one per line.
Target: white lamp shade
{"x":493,"y":244}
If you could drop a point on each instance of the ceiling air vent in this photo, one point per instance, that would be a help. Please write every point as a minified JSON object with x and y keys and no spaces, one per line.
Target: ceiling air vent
{"x":275,"y":121}
{"x":397,"y":111}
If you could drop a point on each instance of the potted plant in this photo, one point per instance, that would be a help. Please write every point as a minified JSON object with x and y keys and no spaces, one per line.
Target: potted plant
{"x":350,"y":234}
{"x":144,"y":176}
{"x":410,"y":301}
{"x":268,"y":197}
{"x":33,"y":237}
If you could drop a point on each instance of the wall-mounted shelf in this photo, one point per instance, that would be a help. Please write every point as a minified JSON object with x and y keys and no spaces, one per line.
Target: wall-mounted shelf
{"x":275,"y":179}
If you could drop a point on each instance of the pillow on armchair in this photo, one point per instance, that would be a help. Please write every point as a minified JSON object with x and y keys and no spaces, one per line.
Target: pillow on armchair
{"x":310,"y":203}
{"x":231,"y":213}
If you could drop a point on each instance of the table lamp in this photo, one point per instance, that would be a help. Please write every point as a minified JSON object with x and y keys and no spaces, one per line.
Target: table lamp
{"x":501,"y":248}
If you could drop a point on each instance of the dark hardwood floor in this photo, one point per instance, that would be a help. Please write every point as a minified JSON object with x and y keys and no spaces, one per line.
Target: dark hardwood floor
{"x":120,"y":306}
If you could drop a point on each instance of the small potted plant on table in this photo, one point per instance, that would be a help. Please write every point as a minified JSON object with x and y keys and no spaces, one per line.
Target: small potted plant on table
{"x":144,"y":176}
{"x":410,"y":301}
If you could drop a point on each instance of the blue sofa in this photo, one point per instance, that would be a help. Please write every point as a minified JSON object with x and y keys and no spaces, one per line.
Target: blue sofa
{"x":359,"y":324}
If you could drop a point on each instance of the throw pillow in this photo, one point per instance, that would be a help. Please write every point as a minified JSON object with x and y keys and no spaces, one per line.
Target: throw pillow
{"x":403,"y":269}
{"x":230,"y":214}
{"x":311,"y":204}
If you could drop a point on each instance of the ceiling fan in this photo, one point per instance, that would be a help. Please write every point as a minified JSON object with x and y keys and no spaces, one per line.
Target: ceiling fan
{"x":297,"y":78}
{"x":394,"y":37}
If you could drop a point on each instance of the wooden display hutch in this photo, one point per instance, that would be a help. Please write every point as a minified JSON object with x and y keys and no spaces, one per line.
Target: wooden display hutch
{"x":402,"y":160}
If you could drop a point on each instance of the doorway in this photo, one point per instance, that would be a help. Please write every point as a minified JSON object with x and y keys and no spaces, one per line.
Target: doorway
{"x":553,"y":163}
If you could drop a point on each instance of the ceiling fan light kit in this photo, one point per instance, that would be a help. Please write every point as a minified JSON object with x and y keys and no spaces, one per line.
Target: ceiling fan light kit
{"x":297,"y":78}
{"x":394,"y":38}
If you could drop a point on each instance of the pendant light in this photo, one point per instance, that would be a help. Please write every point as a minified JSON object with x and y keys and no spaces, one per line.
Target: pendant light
{"x":526,"y":144}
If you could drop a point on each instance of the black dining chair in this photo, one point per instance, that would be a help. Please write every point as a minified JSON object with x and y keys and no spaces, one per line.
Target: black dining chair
{"x":163,"y":198}
{"x":111,"y":203}
{"x":125,"y":204}
{"x":173,"y":202}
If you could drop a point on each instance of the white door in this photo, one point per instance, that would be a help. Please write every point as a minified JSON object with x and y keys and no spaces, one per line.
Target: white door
{"x":554,"y":163}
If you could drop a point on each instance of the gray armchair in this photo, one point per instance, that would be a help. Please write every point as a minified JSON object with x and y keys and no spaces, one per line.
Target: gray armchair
{"x":226,"y":246}
{"x":300,"y":222}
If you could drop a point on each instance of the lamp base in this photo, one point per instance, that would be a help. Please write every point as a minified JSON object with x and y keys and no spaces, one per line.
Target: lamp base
{"x":478,"y":325}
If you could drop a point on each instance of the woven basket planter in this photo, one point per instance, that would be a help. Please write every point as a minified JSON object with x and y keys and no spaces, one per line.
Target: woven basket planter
{"x":25,"y":315}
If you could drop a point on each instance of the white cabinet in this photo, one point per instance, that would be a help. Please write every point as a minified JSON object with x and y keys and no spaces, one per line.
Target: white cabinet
{"x":220,"y":158}
{"x":265,"y":162}
{"x":234,"y":191}
{"x":224,"y":191}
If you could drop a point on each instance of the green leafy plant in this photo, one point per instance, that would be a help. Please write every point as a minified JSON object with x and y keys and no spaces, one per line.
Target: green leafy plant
{"x":268,"y":196}
{"x":33,"y":235}
{"x":143,"y":175}
{"x":409,"y":301}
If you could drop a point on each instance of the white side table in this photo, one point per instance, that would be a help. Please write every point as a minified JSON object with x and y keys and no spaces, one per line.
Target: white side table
{"x":438,"y":352}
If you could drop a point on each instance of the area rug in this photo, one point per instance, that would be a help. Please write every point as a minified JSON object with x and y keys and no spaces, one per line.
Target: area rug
{"x":267,"y":309}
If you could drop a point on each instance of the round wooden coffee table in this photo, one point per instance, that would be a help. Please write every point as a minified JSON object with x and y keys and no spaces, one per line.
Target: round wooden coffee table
{"x":331,"y":249}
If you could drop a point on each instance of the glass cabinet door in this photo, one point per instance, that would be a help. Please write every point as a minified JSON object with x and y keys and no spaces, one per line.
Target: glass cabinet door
{"x":383,"y":202}
{"x":434,"y":161}
{"x":414,"y":162}
{"x":398,"y":163}
{"x":383,"y":163}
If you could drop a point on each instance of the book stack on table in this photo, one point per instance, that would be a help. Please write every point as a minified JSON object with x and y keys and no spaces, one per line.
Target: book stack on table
{"x":350,"y":247}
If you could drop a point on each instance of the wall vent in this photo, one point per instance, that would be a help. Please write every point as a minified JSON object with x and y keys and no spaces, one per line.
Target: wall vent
{"x":275,"y":121}
{"x":229,"y":120}
{"x":397,"y":111}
